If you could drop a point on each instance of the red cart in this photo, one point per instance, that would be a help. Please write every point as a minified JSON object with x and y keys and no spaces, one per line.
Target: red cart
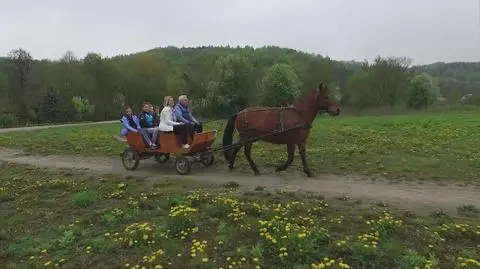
{"x":200,"y":150}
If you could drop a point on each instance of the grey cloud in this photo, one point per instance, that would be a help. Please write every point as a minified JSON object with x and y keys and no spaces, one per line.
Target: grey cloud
{"x":426,"y":30}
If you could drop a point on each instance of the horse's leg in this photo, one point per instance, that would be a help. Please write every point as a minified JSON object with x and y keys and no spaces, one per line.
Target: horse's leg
{"x":302,"y":150}
{"x":291,"y":154}
{"x":233,"y":157}
{"x":248,"y":156}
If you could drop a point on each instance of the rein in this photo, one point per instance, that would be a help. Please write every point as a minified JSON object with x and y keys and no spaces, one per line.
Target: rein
{"x":269,"y":108}
{"x":292,"y":107}
{"x":261,"y":109}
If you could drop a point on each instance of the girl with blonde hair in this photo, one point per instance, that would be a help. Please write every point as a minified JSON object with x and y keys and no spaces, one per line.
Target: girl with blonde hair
{"x":168,"y":125}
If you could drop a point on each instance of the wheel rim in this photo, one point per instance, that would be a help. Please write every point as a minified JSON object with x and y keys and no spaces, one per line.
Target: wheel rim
{"x":182,"y":165}
{"x":129,"y":159}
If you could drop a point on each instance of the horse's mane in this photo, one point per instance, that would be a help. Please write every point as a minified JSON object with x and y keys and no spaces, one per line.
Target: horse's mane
{"x":307,"y":99}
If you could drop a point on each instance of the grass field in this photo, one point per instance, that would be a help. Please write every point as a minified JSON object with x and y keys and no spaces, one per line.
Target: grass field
{"x":66,"y":220}
{"x":419,"y":146}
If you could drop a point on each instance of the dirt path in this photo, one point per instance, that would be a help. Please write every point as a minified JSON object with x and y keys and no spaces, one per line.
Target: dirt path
{"x":404,"y":195}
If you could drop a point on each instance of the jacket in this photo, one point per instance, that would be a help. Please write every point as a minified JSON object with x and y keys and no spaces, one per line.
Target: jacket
{"x":129,"y":124}
{"x":166,"y":120}
{"x":147,"y":120}
{"x":183,"y":114}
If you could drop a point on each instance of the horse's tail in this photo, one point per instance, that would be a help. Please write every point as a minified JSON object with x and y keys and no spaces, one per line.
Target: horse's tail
{"x":228,"y":137}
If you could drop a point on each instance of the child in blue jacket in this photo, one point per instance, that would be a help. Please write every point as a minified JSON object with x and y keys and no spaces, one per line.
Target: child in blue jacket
{"x":130,"y":123}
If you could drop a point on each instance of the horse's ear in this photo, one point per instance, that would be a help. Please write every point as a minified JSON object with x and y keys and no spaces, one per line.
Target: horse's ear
{"x":320,"y":86}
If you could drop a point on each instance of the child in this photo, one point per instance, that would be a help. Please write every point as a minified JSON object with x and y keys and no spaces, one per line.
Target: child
{"x":147,"y":125}
{"x":129,"y":122}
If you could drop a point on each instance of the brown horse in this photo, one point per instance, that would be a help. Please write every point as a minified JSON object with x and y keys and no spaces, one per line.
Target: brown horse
{"x":278,"y":125}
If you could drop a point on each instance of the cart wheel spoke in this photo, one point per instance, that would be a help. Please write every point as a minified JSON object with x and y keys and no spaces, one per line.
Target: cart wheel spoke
{"x":130,"y":159}
{"x":183,"y":165}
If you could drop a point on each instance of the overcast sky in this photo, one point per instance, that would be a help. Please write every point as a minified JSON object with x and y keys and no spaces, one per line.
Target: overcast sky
{"x":425,"y":30}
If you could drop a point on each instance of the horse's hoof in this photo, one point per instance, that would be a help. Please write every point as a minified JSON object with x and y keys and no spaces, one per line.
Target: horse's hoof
{"x":230,"y":169}
{"x":278,"y":169}
{"x":257,"y":173}
{"x":309,"y":174}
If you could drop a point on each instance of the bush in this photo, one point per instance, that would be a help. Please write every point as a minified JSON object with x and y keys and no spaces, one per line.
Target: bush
{"x":420,"y":95}
{"x":8,"y":121}
{"x":231,"y":88}
{"x":280,"y":86}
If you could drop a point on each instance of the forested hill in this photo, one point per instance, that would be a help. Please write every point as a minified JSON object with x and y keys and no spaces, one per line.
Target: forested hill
{"x":456,"y":78}
{"x":220,"y":81}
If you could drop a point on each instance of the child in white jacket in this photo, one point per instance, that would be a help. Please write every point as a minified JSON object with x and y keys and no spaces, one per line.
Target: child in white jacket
{"x":168,"y":125}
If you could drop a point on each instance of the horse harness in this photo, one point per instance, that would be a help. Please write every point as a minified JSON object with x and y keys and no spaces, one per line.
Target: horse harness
{"x":280,"y":128}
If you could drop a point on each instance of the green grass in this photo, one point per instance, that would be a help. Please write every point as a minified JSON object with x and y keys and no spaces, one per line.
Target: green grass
{"x":84,"y":198}
{"x":179,"y":224}
{"x":418,"y":146}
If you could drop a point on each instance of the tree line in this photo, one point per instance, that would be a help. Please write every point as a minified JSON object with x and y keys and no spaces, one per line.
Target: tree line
{"x":219,"y":81}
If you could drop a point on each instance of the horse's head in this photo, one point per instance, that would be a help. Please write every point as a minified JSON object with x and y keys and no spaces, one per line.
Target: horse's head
{"x":325,"y":102}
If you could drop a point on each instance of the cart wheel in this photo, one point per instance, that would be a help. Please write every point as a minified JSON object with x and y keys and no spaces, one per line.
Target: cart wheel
{"x":162,"y":158}
{"x":208,"y":160}
{"x":183,"y":165}
{"x":130,"y":159}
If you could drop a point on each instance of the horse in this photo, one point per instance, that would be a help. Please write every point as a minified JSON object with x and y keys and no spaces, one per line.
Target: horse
{"x":288,"y":126}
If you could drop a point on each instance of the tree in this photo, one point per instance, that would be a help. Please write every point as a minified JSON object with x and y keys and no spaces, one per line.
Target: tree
{"x":280,"y":86}
{"x":219,"y":80}
{"x":100,"y":86}
{"x":82,"y":107}
{"x":420,"y":95}
{"x":335,"y":92}
{"x":6,"y":119}
{"x":341,"y":77}
{"x":230,"y":90}
{"x":51,"y":108}
{"x":390,"y":76}
{"x":4,"y":96}
{"x":22,"y":63}
{"x":360,"y":89}
{"x":69,"y":57}
{"x":147,"y":76}
{"x":465,"y":99}
{"x":69,"y":77}
{"x":435,"y":90}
